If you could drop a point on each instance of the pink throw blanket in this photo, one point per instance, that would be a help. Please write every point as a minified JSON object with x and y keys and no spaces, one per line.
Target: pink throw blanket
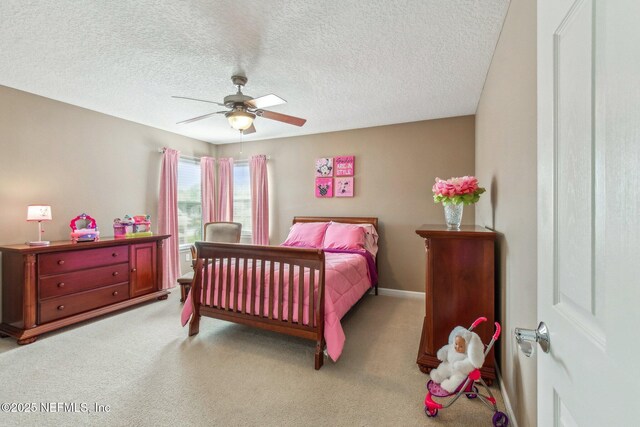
{"x":347,"y":278}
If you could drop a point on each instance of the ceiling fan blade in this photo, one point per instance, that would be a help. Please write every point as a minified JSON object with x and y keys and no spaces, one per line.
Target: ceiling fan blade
{"x":296,"y":121}
{"x":250,"y":129}
{"x":265,"y":101}
{"x":195,"y":119}
{"x":201,"y":100}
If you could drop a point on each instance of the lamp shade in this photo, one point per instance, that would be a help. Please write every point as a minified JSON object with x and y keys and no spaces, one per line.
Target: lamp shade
{"x":240,"y":120}
{"x":38,"y":213}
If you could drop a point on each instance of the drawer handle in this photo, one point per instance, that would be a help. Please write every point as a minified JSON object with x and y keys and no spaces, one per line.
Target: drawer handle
{"x":115,"y":273}
{"x":61,"y":285}
{"x":61,"y":307}
{"x":60,"y":262}
{"x":133,"y":270}
{"x":115,"y":293}
{"x":115,"y":254}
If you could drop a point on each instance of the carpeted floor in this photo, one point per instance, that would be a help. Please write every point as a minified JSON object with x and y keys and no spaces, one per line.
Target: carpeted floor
{"x":143,"y":365}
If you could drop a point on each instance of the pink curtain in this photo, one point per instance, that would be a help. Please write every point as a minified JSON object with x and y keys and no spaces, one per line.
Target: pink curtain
{"x":208,"y":171}
{"x":225,"y":189}
{"x":168,"y":217}
{"x":259,"y":200}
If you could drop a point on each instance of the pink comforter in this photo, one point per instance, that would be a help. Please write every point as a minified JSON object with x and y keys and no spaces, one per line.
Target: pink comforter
{"x":347,"y":278}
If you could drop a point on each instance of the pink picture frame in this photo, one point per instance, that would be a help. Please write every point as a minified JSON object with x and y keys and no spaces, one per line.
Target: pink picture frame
{"x":324,"y":188}
{"x":344,"y":165}
{"x":324,"y":167}
{"x":344,"y":187}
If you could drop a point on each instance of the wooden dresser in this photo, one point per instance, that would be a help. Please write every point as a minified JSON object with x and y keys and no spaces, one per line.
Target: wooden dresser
{"x":459,"y":289}
{"x":48,"y":287}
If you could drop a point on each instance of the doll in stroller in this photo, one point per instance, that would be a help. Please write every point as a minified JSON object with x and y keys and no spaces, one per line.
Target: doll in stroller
{"x":460,"y":375}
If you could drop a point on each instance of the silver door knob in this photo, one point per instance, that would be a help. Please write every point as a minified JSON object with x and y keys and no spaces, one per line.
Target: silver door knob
{"x":526,"y":338}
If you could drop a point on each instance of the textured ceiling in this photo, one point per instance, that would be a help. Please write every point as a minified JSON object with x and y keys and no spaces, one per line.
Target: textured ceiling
{"x":341,"y":64}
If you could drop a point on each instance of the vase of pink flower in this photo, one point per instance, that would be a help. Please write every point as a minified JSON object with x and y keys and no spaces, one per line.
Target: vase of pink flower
{"x":454,"y":193}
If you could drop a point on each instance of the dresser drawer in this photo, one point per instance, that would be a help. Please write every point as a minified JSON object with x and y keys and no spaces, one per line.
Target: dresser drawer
{"x":83,"y":280}
{"x":62,"y":262}
{"x":57,"y":308}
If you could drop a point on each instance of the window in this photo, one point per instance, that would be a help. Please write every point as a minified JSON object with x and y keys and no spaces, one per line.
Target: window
{"x":189,"y":202}
{"x":242,"y":199}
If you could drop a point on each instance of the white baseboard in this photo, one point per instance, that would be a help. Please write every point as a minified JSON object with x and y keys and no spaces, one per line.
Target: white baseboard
{"x":505,"y":397}
{"x":399,"y":293}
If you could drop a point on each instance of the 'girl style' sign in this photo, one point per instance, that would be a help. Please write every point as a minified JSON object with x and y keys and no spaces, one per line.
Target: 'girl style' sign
{"x":344,"y":165}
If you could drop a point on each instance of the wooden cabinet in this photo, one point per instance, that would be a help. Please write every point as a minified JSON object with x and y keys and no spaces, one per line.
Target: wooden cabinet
{"x":143,"y":268}
{"x":48,"y":287}
{"x":459,"y":289}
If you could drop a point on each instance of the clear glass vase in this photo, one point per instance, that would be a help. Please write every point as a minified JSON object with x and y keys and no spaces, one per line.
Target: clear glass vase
{"x":453,"y":215}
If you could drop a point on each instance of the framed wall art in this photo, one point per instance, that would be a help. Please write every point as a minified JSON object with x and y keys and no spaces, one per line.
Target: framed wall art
{"x":344,"y":165}
{"x":324,"y":187}
{"x":324,"y":166}
{"x":344,"y":187}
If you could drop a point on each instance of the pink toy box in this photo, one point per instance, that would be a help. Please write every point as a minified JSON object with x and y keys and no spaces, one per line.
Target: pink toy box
{"x":122,"y":227}
{"x":138,"y":226}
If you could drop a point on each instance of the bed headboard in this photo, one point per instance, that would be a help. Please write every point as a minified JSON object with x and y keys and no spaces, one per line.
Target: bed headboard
{"x":345,"y":219}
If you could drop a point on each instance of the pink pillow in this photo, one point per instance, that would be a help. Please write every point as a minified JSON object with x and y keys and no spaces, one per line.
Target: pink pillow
{"x":344,"y":236}
{"x":306,"y":234}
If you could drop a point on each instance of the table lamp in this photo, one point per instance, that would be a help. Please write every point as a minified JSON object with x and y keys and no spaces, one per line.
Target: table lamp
{"x":39,"y":213}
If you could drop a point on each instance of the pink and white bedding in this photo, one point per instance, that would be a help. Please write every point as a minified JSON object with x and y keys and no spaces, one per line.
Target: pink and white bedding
{"x":348,"y":275}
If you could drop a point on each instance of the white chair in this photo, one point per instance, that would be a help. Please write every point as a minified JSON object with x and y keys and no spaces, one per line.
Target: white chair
{"x":217,"y":232}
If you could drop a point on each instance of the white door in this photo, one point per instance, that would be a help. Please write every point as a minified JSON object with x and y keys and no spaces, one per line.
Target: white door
{"x":589,"y":211}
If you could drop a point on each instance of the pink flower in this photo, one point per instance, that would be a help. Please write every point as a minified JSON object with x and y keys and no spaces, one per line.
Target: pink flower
{"x":455,"y":186}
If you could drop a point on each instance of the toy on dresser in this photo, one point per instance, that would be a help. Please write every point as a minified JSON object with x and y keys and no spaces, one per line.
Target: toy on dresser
{"x":84,"y":229}
{"x":137,"y":226}
{"x":142,"y":225}
{"x":122,"y":227}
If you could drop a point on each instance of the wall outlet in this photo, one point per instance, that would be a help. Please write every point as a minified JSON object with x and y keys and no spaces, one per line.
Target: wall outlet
{"x":187,"y":256}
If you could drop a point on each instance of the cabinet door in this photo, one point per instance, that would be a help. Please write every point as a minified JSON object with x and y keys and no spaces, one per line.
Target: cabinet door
{"x":143,"y":268}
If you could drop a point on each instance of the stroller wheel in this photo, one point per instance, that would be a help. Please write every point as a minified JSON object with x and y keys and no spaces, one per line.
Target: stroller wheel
{"x":474,"y":394}
{"x":430,"y":412}
{"x":500,"y":419}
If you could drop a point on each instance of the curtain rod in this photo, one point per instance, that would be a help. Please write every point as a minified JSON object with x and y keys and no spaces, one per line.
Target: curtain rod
{"x":162,"y":150}
{"x":246,"y":160}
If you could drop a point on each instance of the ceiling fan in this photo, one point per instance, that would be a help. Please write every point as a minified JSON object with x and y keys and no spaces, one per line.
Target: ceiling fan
{"x":243,"y":109}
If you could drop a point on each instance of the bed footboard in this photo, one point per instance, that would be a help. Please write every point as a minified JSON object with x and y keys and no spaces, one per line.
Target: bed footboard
{"x":271,"y":287}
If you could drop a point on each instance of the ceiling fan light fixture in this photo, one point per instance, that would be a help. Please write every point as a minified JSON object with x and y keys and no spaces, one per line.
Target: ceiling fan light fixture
{"x":240,"y":120}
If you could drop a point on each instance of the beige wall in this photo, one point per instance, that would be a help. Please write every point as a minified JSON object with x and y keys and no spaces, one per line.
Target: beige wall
{"x":77,"y":161}
{"x":506,"y":158}
{"x":395,"y":169}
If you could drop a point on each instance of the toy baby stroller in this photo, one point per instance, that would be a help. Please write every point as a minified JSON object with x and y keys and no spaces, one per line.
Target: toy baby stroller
{"x":468,"y":388}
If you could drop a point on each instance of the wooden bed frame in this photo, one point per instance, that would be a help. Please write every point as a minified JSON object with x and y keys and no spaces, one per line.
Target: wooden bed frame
{"x":294,"y":258}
